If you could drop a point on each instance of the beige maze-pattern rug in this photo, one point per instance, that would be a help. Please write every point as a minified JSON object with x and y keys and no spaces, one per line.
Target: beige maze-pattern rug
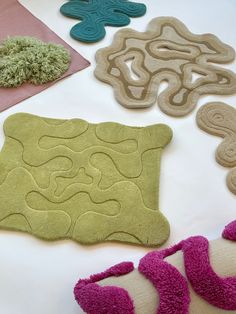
{"x":136,"y":63}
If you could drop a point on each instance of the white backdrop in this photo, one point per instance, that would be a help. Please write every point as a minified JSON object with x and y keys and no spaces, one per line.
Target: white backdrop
{"x":38,"y":277}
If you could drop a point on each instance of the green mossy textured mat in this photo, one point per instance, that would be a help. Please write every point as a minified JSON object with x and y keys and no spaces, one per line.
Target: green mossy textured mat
{"x":88,"y":182}
{"x":28,"y":59}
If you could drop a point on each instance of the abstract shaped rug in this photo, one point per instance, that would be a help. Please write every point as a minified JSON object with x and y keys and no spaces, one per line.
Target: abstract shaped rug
{"x":13,"y":11}
{"x":95,"y":14}
{"x":219,"y":119}
{"x":136,"y":63}
{"x":194,"y":276}
{"x":88,"y":182}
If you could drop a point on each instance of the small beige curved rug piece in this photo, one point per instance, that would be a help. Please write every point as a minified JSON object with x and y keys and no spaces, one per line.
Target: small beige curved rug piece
{"x":136,"y":63}
{"x":88,"y":182}
{"x":219,"y":119}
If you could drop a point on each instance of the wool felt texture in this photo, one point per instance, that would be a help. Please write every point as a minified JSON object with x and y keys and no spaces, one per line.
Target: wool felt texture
{"x":219,"y":119}
{"x":95,"y":14}
{"x":201,"y":279}
{"x":23,"y":23}
{"x":88,"y":182}
{"x":27,"y":59}
{"x":136,"y":63}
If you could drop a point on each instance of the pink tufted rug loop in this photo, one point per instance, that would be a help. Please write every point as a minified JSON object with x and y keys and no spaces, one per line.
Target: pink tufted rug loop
{"x":110,"y":300}
{"x":172,"y":286}
{"x":229,"y":232}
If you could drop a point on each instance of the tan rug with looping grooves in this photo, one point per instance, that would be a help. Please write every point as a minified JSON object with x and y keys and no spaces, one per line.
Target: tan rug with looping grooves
{"x":219,"y":119}
{"x":136,"y":63}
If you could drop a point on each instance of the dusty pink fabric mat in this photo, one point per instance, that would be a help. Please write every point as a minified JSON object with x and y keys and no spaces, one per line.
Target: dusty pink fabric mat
{"x":16,"y":20}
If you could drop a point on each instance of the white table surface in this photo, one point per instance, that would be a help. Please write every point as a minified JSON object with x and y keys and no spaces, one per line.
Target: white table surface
{"x":38,"y":277}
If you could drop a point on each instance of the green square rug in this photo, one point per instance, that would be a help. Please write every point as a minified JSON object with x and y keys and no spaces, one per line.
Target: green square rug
{"x":88,"y":182}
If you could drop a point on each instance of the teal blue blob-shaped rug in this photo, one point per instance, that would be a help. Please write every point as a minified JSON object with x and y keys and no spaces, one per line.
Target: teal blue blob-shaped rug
{"x":95,"y":14}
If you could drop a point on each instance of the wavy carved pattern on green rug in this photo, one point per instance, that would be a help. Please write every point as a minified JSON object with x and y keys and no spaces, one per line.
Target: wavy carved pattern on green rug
{"x":88,"y":182}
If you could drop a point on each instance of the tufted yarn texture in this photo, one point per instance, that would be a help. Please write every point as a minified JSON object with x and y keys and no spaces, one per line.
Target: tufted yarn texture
{"x":110,"y":300}
{"x":173,"y":286}
{"x":27,"y":59}
{"x":13,"y":14}
{"x":229,"y":232}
